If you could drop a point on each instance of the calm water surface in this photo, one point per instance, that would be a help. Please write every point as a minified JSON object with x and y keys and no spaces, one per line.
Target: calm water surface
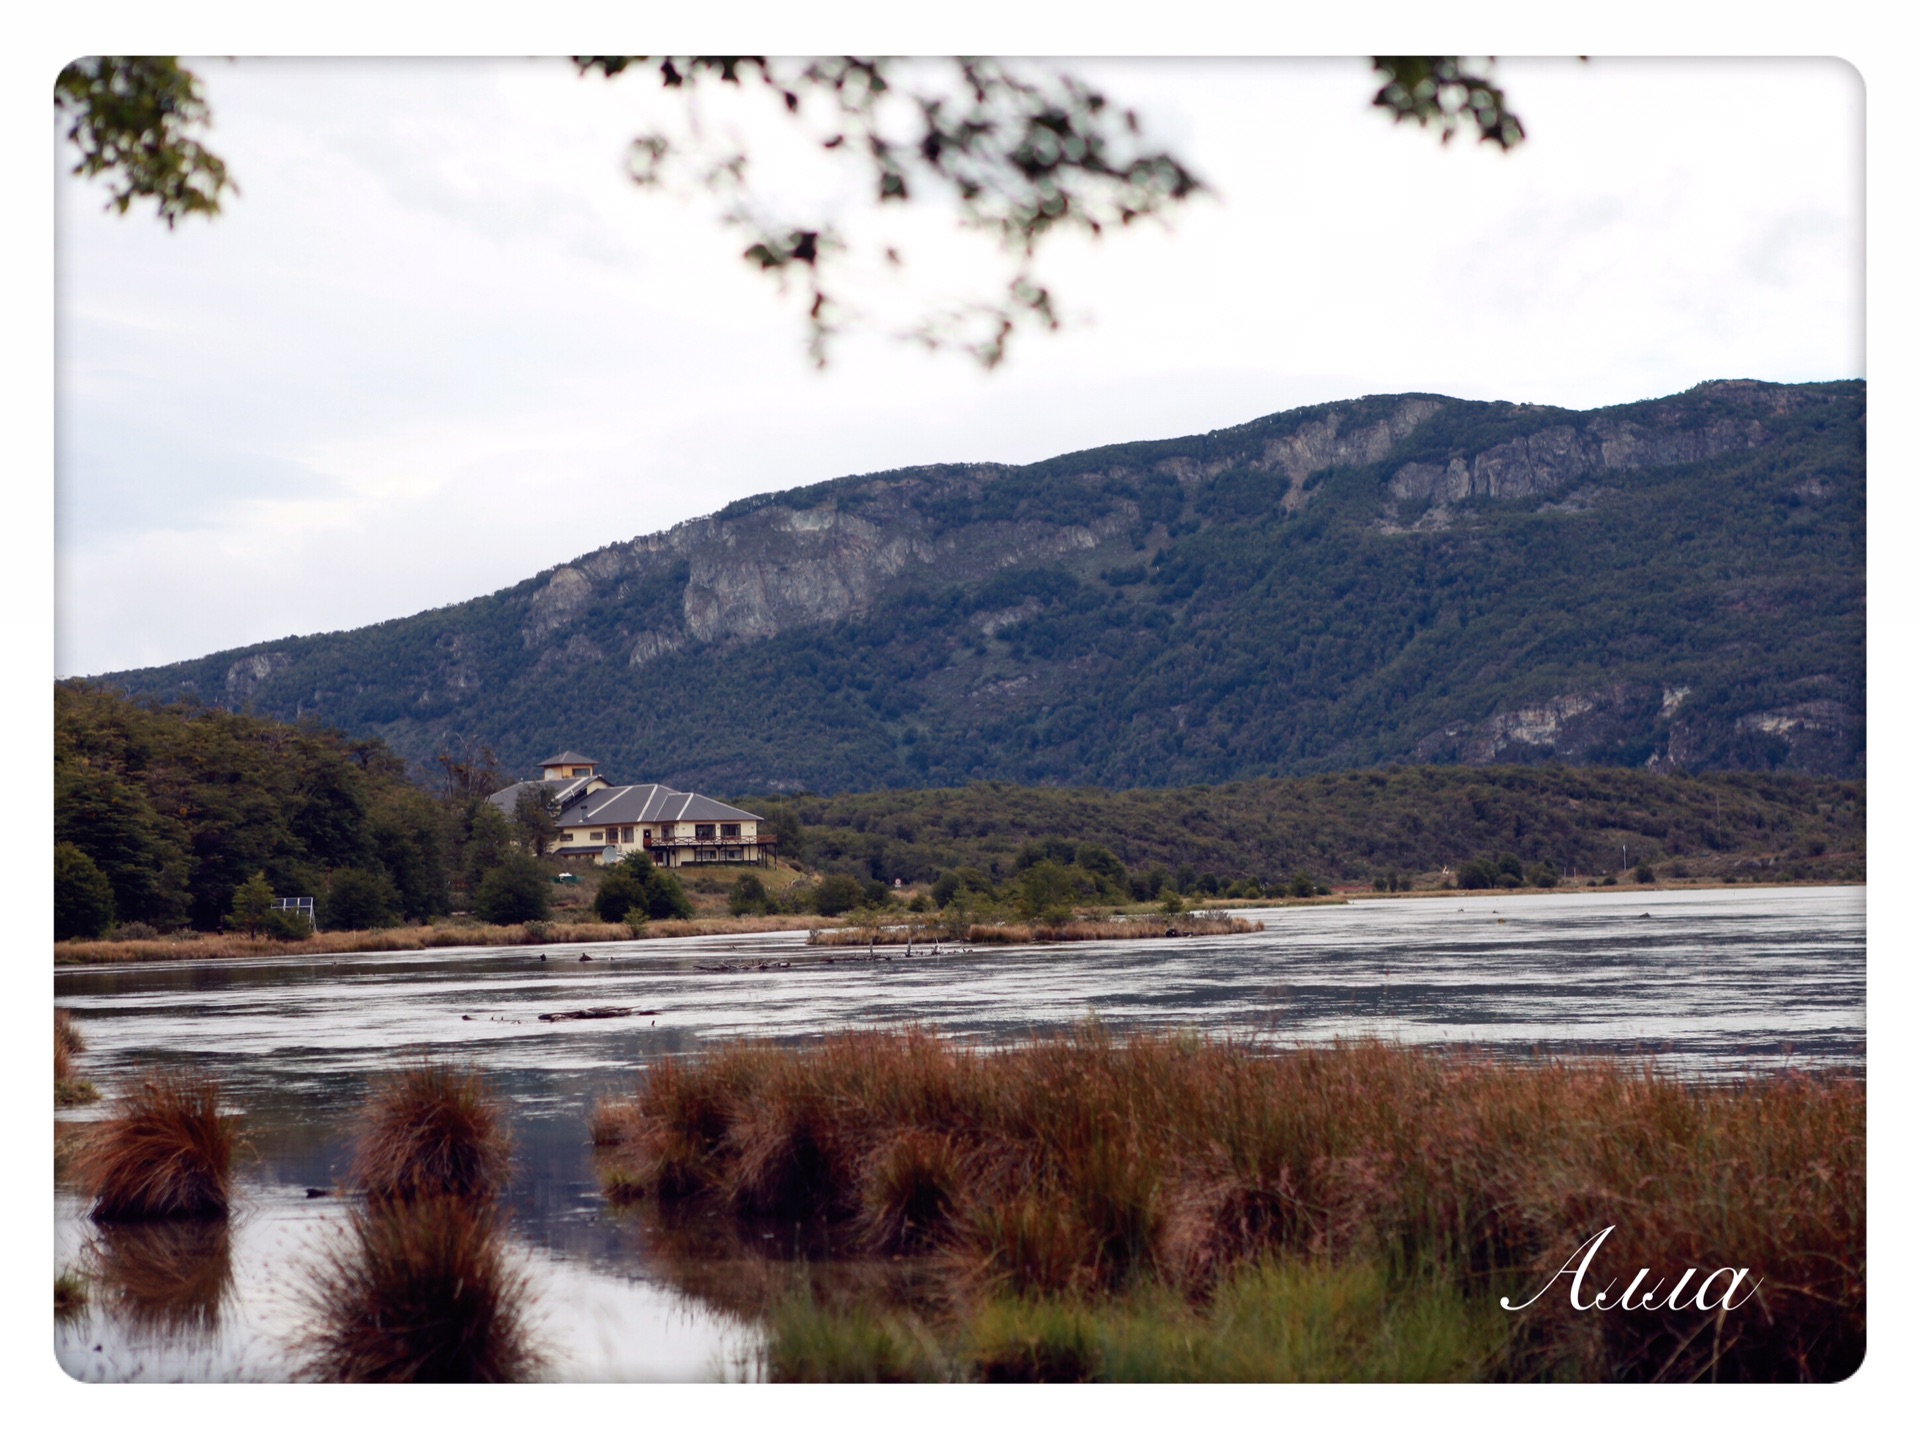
{"x":1716,"y":982}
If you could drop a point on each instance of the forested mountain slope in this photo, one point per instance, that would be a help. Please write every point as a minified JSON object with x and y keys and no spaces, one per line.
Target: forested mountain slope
{"x":1678,"y":583}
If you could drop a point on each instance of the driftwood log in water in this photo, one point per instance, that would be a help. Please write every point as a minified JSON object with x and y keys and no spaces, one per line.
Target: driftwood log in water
{"x":605,"y":1012}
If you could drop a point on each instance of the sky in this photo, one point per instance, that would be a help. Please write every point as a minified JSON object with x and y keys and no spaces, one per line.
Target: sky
{"x":441,"y":342}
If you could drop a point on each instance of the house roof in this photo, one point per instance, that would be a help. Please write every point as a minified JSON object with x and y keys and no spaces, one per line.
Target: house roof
{"x":564,"y":792}
{"x":647,"y":804}
{"x":568,"y":756}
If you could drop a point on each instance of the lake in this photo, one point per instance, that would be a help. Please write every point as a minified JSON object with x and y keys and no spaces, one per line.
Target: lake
{"x":1711,"y":983}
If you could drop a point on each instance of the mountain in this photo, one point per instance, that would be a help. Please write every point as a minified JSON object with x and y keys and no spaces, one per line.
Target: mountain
{"x":1677,"y":583}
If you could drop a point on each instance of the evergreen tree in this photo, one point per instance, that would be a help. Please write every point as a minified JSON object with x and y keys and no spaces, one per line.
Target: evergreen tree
{"x":82,"y":895}
{"x":252,"y":903}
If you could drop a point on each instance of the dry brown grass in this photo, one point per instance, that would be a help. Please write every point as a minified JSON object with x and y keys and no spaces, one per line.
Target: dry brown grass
{"x":442,"y":936}
{"x":1082,"y":1165}
{"x":68,"y":1087}
{"x":1034,"y":931}
{"x":165,"y":1152}
{"x":431,"y":1130}
{"x":421,"y":1292}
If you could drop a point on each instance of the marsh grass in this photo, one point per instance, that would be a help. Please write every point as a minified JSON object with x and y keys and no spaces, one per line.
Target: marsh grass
{"x":1034,"y":931}
{"x":168,"y":1279}
{"x":1089,"y":1168}
{"x":430,"y":1130}
{"x":165,"y":1151}
{"x":68,"y":1087}
{"x":419,"y":1292}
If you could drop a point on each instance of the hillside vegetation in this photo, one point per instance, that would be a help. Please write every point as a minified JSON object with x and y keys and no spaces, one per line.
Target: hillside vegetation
{"x":1349,"y":828}
{"x":1678,"y":583}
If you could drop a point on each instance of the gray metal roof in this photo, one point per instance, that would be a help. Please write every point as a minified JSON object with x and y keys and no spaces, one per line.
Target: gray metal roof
{"x":568,"y":757}
{"x":648,"y":804}
{"x":564,"y":792}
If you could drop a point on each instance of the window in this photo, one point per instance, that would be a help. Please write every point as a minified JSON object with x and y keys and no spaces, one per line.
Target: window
{"x":626,"y":834}
{"x":729,"y":831}
{"x":597,"y":837}
{"x":703,"y":832}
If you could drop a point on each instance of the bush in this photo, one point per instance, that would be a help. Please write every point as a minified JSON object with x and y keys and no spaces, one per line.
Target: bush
{"x":1543,"y":876}
{"x":748,"y":896}
{"x":289,"y":924}
{"x":619,"y":892}
{"x":1643,"y":874}
{"x":82,"y":895}
{"x":513,"y":892}
{"x":836,"y":894}
{"x":360,"y":899}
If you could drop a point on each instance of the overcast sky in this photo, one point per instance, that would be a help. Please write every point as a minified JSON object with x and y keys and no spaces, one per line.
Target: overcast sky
{"x":440,"y":343}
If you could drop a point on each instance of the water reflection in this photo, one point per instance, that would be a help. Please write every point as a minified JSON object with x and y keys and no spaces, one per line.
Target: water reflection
{"x":166,"y":1279}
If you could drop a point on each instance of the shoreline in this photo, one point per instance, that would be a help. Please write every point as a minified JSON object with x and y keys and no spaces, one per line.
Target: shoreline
{"x":76,"y":953}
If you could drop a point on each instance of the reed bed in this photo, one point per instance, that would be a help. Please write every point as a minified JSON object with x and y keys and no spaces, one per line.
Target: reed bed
{"x":68,"y":1087}
{"x":420,"y":1292}
{"x":164,"y":1152}
{"x":1036,"y":931}
{"x":445,"y":936}
{"x":1089,"y":1168}
{"x":430,"y":1131}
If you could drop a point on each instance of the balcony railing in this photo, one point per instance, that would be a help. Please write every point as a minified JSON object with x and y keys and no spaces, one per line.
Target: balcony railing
{"x":680,"y":841}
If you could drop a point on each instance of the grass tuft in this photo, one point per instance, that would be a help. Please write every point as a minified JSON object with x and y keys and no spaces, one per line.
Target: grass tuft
{"x":431,"y":1130}
{"x":165,"y":1151}
{"x":419,"y":1292}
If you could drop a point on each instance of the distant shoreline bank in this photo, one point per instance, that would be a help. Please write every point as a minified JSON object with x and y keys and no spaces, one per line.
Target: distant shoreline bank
{"x":85,"y":952}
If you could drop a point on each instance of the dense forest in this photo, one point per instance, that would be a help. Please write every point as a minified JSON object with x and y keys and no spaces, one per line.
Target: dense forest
{"x":164,"y":815}
{"x":1677,"y":584}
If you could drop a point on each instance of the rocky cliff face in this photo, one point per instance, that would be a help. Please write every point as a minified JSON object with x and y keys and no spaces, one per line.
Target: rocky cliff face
{"x":1348,"y":584}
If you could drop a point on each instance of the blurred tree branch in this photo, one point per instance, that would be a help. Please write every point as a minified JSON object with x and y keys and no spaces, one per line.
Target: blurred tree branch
{"x":1018,"y":151}
{"x":133,"y":122}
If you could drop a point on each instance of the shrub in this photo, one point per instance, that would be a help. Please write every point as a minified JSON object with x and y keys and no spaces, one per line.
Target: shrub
{"x":419,"y":1293}
{"x":748,"y":896}
{"x":1643,"y":874}
{"x":291,"y":924}
{"x":1543,"y":876}
{"x":360,"y":899}
{"x":836,"y":894}
{"x":513,"y":892}
{"x":165,"y":1152}
{"x":428,"y":1131}
{"x":619,"y":892}
{"x":82,"y":895}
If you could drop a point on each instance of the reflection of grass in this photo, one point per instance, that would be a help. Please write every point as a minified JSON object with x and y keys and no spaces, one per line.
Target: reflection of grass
{"x":1090,"y":1171}
{"x":171,"y":1278}
{"x":431,"y":1130}
{"x":165,"y":1151}
{"x":420,"y":1292}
